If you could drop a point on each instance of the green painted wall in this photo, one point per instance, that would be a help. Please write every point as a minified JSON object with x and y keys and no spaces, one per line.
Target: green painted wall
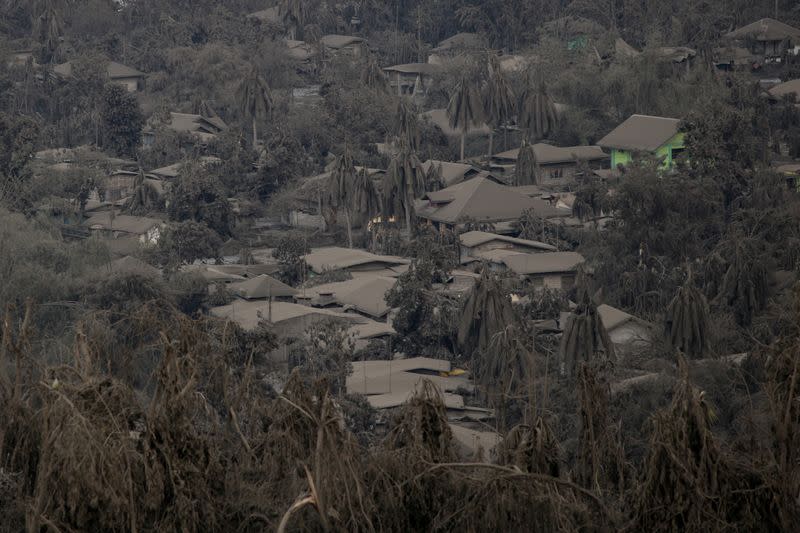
{"x":623,"y":157}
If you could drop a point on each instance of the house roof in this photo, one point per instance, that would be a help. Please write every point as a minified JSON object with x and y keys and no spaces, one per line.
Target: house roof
{"x":124,"y":223}
{"x":131,"y":265}
{"x":299,"y":50}
{"x":477,"y":238}
{"x":623,"y":49}
{"x":641,"y":132}
{"x":787,"y":87}
{"x":766,"y":29}
{"x":228,"y":273}
{"x":547,"y":154}
{"x":336,"y":258}
{"x":371,"y":330}
{"x":172,"y":171}
{"x":114,"y":70}
{"x":248,"y":314}
{"x":459,"y":41}
{"x":204,"y":127}
{"x":438,"y":118}
{"x":676,"y":54}
{"x":338,"y":42}
{"x":479,"y":199}
{"x":380,"y":379}
{"x":263,"y":286}
{"x":527,"y":264}
{"x":611,"y":317}
{"x":452,"y":173}
{"x":366,"y":294}
{"x":426,"y":69}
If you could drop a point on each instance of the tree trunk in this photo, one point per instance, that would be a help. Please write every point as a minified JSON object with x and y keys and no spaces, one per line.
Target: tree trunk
{"x":255,"y":132}
{"x":463,"y":140}
{"x":491,"y":147}
{"x":408,"y":217}
{"x":349,"y":228}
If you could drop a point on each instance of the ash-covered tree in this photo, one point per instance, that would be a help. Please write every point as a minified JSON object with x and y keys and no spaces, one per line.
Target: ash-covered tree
{"x":18,"y":138}
{"x":537,"y":111}
{"x":338,"y":195}
{"x":526,"y":171}
{"x":198,"y":195}
{"x":486,"y":312}
{"x":585,"y":339}
{"x":404,"y":181}
{"x":184,"y":242}
{"x":255,"y":99}
{"x":122,"y":120}
{"x":289,"y":253}
{"x":499,"y":101}
{"x":465,"y":109}
{"x":686,"y":324}
{"x":325,"y":352}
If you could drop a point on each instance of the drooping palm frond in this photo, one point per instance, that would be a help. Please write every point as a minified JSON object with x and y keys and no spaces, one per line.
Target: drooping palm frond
{"x":686,"y":325}
{"x":364,"y":201}
{"x":373,"y":77}
{"x":407,"y":124}
{"x":537,"y":112}
{"x":404,"y":181}
{"x":487,"y":311}
{"x":499,"y":102}
{"x":585,"y":338}
{"x":465,"y":108}
{"x":255,"y":99}
{"x":527,"y":169}
{"x":145,"y":197}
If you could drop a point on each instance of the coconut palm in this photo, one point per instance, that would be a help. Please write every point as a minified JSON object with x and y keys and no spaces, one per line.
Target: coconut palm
{"x":48,"y":28}
{"x":498,"y":100}
{"x":404,"y":181}
{"x":255,"y":99}
{"x":145,"y":197}
{"x":686,"y":324}
{"x":527,"y":168}
{"x":585,"y":337}
{"x":365,"y":202}
{"x":340,"y":185}
{"x":537,"y":112}
{"x":487,"y":311}
{"x":407,"y":124}
{"x":373,"y":77}
{"x":465,"y":109}
{"x":433,"y":178}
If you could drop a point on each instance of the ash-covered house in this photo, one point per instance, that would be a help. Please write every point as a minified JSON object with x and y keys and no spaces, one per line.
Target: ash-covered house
{"x":344,"y":45}
{"x":200,"y":128}
{"x":629,"y":334}
{"x":147,"y":231}
{"x":480,"y":200}
{"x":552,"y":270}
{"x":473,"y":243}
{"x":657,"y":136}
{"x":556,"y":164}
{"x":411,"y":79}
{"x":456,"y":46}
{"x":355,"y":261}
{"x":129,"y":78}
{"x":767,"y":40}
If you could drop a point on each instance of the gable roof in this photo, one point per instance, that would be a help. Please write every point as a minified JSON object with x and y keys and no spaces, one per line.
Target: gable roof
{"x":192,"y":123}
{"x":248,"y":314}
{"x":132,"y":265}
{"x":459,"y":41}
{"x":766,"y":29}
{"x":548,"y":154}
{"x":336,"y":258}
{"x":271,"y":14}
{"x":613,"y":318}
{"x":641,"y":132}
{"x":426,"y":69}
{"x":172,"y":171}
{"x":438,"y":118}
{"x":380,"y":379}
{"x":124,"y":223}
{"x":452,"y":173}
{"x":527,"y":264}
{"x":338,"y":42}
{"x":114,"y":70}
{"x":263,"y":286}
{"x":479,"y":199}
{"x":471,"y":239}
{"x":787,"y":87}
{"x":366,"y":294}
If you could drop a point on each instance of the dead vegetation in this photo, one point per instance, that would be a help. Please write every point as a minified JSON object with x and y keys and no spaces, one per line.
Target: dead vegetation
{"x":205,"y":444}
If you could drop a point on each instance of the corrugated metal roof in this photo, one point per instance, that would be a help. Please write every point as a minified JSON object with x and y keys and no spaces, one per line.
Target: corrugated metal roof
{"x":641,"y":132}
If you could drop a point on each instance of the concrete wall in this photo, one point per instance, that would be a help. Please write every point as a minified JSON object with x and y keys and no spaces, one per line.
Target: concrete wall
{"x":623,"y":157}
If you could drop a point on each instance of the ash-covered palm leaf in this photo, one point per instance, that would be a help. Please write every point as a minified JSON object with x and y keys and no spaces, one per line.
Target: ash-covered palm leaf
{"x":255,"y":99}
{"x":407,"y":124}
{"x":532,"y":449}
{"x":373,"y":77}
{"x":433,"y":178}
{"x":687,"y":321}
{"x":585,"y":338}
{"x":487,"y":311}
{"x":145,"y":197}
{"x":465,"y":109}
{"x":499,"y":102}
{"x":404,"y":182}
{"x":365,"y":202}
{"x":537,"y":112}
{"x":527,"y":169}
{"x":340,"y":186}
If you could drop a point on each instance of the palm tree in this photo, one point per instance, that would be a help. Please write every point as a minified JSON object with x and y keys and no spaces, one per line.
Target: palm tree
{"x":585,"y":337}
{"x":686,"y":324}
{"x":145,"y":197}
{"x":364,"y":198}
{"x":48,"y":28}
{"x":487,"y":311}
{"x":407,"y":124}
{"x":465,"y":109}
{"x":404,"y":181}
{"x":498,"y":100}
{"x":255,"y":99}
{"x":294,"y":14}
{"x":373,"y":77}
{"x":433,"y":178}
{"x":537,"y":112}
{"x":526,"y":171}
{"x":340,"y":184}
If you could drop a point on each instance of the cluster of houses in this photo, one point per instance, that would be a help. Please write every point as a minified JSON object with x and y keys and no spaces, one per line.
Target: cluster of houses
{"x":473,"y":194}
